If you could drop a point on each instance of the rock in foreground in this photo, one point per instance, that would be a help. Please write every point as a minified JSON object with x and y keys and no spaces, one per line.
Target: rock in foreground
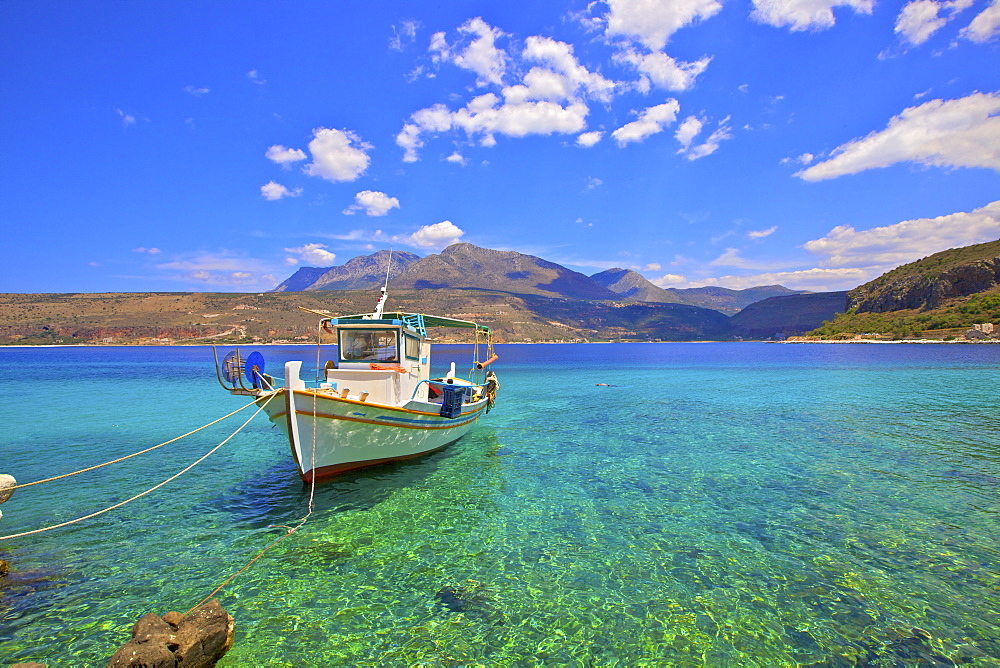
{"x":195,"y":640}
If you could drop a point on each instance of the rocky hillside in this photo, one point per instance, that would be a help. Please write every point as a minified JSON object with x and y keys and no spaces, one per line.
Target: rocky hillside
{"x":788,"y":315}
{"x":931,"y":282}
{"x":628,"y":284}
{"x":362,"y":272}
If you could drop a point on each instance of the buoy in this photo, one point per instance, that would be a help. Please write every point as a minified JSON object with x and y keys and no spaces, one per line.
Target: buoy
{"x":7,"y":486}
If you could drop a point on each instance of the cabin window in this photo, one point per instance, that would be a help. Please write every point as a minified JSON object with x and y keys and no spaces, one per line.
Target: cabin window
{"x":412,"y":344}
{"x":370,"y":345}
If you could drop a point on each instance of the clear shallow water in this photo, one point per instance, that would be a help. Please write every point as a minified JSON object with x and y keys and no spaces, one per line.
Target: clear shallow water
{"x":720,"y":504}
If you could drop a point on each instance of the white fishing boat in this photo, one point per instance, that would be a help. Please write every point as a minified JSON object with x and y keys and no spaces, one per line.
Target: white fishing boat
{"x":373,"y":400}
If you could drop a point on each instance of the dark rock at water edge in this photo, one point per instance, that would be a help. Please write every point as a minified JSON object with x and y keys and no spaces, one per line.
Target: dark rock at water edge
{"x":197,"y":639}
{"x":4,"y":568}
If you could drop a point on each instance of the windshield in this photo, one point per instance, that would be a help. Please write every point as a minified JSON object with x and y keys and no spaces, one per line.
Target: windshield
{"x":375,"y":345}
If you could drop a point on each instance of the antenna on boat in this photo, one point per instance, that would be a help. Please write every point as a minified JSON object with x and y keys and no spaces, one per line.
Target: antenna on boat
{"x":377,"y":313}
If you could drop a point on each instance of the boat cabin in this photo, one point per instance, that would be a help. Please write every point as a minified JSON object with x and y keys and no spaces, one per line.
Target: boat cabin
{"x":383,"y":361}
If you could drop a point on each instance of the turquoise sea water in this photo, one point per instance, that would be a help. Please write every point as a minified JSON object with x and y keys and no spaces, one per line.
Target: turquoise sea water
{"x":718,"y":504}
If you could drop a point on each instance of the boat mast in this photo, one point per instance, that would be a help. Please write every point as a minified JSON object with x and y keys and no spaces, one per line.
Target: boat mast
{"x":377,"y":313}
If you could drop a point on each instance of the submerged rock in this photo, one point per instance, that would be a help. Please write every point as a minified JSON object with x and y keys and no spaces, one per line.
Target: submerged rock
{"x":197,"y":639}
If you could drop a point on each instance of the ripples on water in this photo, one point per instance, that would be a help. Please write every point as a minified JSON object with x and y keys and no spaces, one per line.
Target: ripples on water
{"x":719,"y":504}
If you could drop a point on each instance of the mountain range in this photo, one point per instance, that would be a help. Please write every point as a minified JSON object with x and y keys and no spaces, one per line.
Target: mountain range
{"x":465,"y":266}
{"x":524,"y":299}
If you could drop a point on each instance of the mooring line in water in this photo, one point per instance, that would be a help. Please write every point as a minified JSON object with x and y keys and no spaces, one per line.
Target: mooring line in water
{"x":135,"y":454}
{"x":291,"y":530}
{"x":151,"y":489}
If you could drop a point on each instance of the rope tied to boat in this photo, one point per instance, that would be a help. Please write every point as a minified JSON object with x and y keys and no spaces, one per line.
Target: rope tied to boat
{"x":135,"y":454}
{"x":153,"y":488}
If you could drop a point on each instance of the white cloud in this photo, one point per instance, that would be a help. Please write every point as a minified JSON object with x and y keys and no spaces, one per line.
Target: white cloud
{"x":920,"y":19}
{"x":593,"y":182}
{"x":456,"y":158}
{"x":709,"y":146}
{"x":151,"y":251}
{"x":404,"y":35}
{"x":650,"y":122}
{"x":662,"y":70}
{"x":954,"y":133}
{"x":985,"y":26}
{"x":760,"y":234}
{"x":224,"y":268}
{"x":314,"y":255}
{"x":803,"y":159}
{"x":732,"y":258}
{"x":437,"y":235}
{"x":687,"y":131}
{"x":373,"y":203}
{"x":562,"y":63}
{"x":480,"y":56}
{"x":804,"y":14}
{"x":818,"y":280}
{"x":588,"y":139}
{"x":338,"y":155}
{"x":284,"y":156}
{"x":671,"y":281}
{"x":127,"y":119}
{"x":910,"y":240}
{"x":255,"y":77}
{"x":275,"y":191}
{"x":652,"y":22}
{"x":485,"y":116}
{"x":197,"y":91}
{"x":652,"y":266}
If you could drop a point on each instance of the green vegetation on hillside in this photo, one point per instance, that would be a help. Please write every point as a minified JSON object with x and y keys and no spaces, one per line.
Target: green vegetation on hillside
{"x":959,"y":314}
{"x":933,"y":265}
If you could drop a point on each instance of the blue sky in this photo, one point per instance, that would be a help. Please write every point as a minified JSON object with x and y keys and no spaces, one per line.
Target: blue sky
{"x":217,"y":146}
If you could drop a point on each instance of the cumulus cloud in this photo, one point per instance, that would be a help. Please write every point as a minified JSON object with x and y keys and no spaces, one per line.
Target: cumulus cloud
{"x":559,"y":58}
{"x":437,"y":235}
{"x":910,"y":240}
{"x":985,"y":26}
{"x":275,"y":191}
{"x":312,"y":254}
{"x":651,"y":121}
{"x":480,"y":55}
{"x":804,"y":14}
{"x":920,"y":19}
{"x":953,"y":133}
{"x":284,"y":156}
{"x":588,"y":139}
{"x":456,"y":158}
{"x":485,"y":116}
{"x":373,"y":203}
{"x":662,"y":70}
{"x":652,"y":22}
{"x":338,"y":155}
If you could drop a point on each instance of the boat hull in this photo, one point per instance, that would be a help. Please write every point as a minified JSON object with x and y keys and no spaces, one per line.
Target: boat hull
{"x":330,"y":435}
